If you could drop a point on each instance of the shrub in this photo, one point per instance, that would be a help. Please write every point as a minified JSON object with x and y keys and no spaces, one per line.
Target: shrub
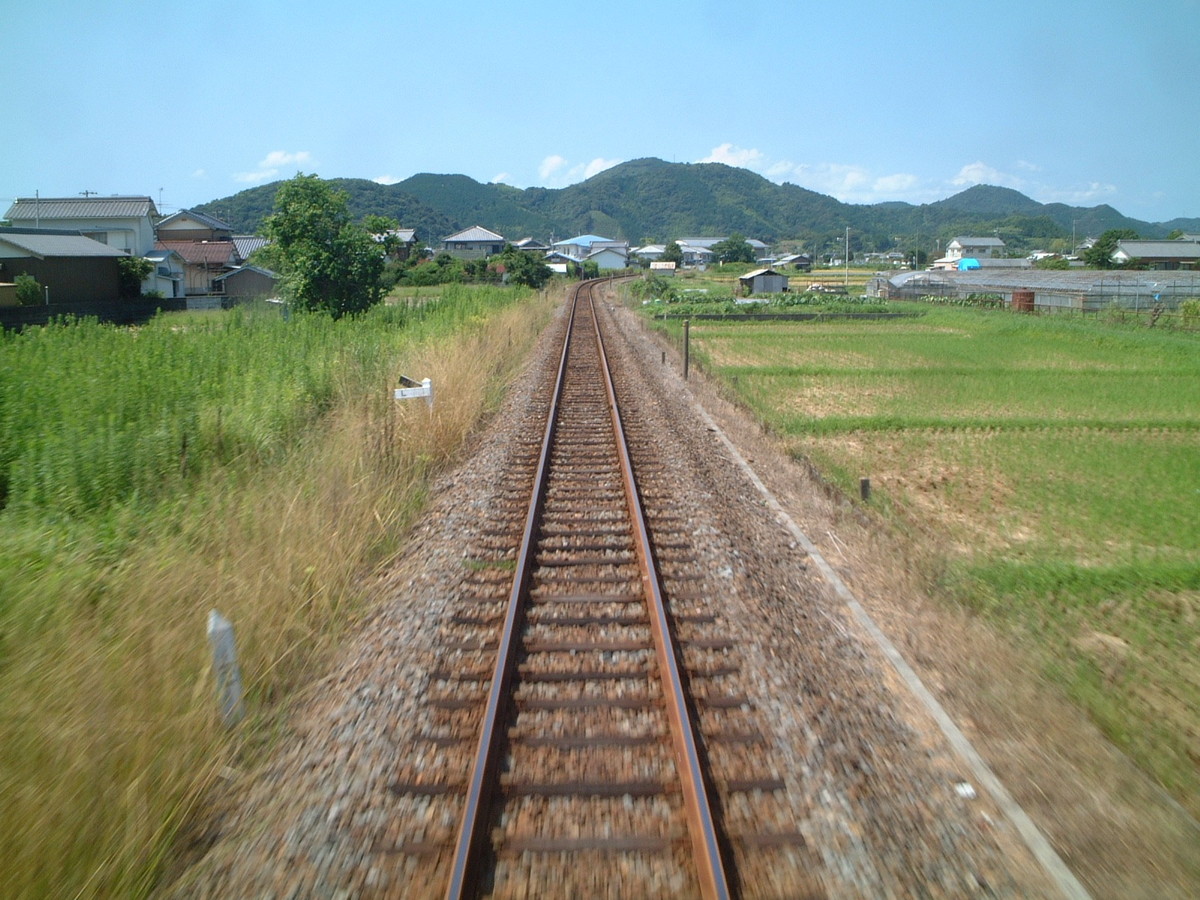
{"x":29,"y":292}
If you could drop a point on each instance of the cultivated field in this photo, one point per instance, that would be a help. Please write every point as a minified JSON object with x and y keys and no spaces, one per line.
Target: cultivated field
{"x":1049,"y":469}
{"x":236,"y":461}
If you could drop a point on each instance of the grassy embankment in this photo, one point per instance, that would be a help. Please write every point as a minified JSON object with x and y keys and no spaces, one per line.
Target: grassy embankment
{"x":234,"y":461}
{"x":1052,"y":464}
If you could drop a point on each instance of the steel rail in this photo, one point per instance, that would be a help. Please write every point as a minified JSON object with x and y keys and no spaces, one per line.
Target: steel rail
{"x":474,"y":832}
{"x":706,"y":844}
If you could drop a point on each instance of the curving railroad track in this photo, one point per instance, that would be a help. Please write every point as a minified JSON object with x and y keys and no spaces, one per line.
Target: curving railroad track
{"x":586,"y":688}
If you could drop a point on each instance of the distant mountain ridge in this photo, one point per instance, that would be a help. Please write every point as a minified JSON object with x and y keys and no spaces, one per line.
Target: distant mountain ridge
{"x":647,"y":200}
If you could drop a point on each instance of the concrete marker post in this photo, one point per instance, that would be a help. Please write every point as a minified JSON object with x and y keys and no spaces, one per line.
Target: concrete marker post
{"x":226,"y":673}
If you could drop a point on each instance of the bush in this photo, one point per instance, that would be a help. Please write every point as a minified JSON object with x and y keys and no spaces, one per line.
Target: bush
{"x":1189,"y":312}
{"x":29,"y":292}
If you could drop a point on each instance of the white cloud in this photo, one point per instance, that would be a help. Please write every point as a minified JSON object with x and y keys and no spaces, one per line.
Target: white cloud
{"x":557,"y":171}
{"x":598,"y":165}
{"x":732,"y":155}
{"x":199,"y":173}
{"x":502,"y":178}
{"x":982,"y":173}
{"x":387,"y":179}
{"x":551,"y":165}
{"x":270,"y":165}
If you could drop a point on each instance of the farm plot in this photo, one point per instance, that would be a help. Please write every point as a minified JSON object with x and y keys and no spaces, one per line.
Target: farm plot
{"x":1053,"y":466}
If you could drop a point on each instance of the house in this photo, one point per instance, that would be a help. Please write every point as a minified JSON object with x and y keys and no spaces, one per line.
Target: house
{"x":975,"y":247}
{"x":763,"y":281}
{"x":475,"y":242}
{"x":123,"y":223}
{"x":402,"y":240}
{"x":203,"y":261}
{"x":189,"y":225}
{"x":168,"y":276}
{"x":246,"y":282}
{"x":581,"y":245}
{"x":801,"y":261}
{"x":70,"y":266}
{"x":1166,"y":255}
{"x":649,"y":252}
{"x":531,"y":245}
{"x":608,"y":258}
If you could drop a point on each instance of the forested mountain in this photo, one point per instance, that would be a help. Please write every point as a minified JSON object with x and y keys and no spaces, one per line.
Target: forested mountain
{"x":647,"y":200}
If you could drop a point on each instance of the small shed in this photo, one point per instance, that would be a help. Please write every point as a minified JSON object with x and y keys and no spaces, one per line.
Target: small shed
{"x":763,"y":281}
{"x":246,"y":282}
{"x":73,"y":268}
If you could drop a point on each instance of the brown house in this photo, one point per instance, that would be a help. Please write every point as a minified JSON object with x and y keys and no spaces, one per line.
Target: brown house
{"x":73,"y":268}
{"x":187,"y":225}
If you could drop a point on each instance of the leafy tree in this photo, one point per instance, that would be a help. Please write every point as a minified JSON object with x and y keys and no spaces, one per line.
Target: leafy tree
{"x":733,"y":249}
{"x":590,"y":268}
{"x":131,"y":272}
{"x":29,"y":292}
{"x":1099,"y":255}
{"x":328,"y":263}
{"x":673,"y":253}
{"x":1052,"y":262}
{"x":523,"y":267}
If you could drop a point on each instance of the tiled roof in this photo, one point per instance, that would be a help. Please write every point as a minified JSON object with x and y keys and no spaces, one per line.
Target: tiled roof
{"x":204,"y":219}
{"x":44,"y":243}
{"x":248,"y":243}
{"x":475,"y":233}
{"x":1160,"y":249}
{"x":30,"y":209}
{"x":201,"y":252}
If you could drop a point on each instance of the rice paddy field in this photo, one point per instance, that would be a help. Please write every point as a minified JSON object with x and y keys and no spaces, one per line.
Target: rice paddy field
{"x":1052,"y":465}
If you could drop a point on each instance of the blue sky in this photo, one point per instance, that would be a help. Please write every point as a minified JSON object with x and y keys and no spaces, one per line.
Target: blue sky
{"x":1074,"y":102}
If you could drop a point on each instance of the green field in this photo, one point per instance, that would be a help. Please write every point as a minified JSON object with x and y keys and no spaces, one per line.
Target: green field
{"x":1052,"y":464}
{"x":231,"y":460}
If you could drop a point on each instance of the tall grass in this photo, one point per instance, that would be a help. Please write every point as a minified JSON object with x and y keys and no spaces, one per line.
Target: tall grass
{"x":1049,"y":467}
{"x":238,"y":462}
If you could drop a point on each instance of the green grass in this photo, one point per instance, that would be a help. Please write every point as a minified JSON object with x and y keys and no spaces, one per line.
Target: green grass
{"x":235,"y":461}
{"x":1056,"y":464}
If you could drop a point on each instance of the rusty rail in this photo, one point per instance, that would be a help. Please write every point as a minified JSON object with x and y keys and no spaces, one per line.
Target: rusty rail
{"x":471,"y":848}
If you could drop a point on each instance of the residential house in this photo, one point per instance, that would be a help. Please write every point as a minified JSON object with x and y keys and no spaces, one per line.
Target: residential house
{"x":203,"y":261}
{"x":168,"y":276}
{"x":649,"y":252}
{"x":71,"y":267}
{"x":975,"y":248}
{"x":123,"y":223}
{"x":801,"y":261}
{"x":582,"y":245}
{"x":532,"y":245}
{"x":763,"y":281}
{"x":402,"y":240}
{"x":189,"y":225}
{"x":1166,"y":255}
{"x":475,"y":242}
{"x":608,"y":258}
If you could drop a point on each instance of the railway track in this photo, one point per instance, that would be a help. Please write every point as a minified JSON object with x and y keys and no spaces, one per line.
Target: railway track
{"x":585,"y":727}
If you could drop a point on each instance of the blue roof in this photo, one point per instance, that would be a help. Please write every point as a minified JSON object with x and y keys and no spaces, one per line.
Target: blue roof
{"x":584,"y":240}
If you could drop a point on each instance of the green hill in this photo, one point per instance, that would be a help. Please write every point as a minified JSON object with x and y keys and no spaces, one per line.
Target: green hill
{"x":646,"y":200}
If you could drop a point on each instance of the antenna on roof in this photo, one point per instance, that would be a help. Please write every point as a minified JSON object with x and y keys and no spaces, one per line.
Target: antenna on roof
{"x":88,"y":193}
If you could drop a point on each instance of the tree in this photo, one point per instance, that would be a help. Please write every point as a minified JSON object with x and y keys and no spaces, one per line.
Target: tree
{"x":1099,"y":255}
{"x":131,"y":272}
{"x":328,"y":263}
{"x":733,"y":249}
{"x":523,"y":267}
{"x":384,"y":230}
{"x":673,"y":253}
